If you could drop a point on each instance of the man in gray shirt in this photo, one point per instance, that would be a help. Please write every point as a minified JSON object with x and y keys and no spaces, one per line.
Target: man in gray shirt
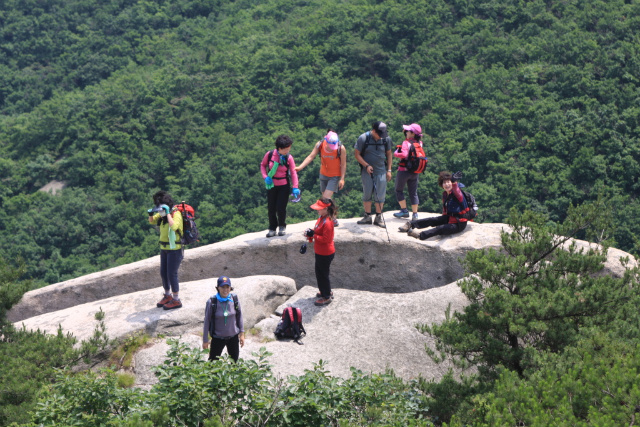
{"x":373,"y":152}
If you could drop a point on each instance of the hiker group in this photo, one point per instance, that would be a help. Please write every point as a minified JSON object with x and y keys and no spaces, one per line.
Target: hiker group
{"x":374,"y":153}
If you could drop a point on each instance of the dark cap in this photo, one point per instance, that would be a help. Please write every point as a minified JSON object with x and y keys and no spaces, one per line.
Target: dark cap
{"x":224,"y":281}
{"x":380,"y":128}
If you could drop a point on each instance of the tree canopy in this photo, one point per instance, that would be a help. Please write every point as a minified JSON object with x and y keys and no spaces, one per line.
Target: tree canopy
{"x":535,"y":101}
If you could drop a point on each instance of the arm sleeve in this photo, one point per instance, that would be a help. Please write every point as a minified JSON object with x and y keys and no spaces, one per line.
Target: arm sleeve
{"x":389,"y":145}
{"x":177,"y":221}
{"x":404,"y":151}
{"x":294,"y":174}
{"x":240,"y":318}
{"x":324,"y":234}
{"x":456,"y":192}
{"x":207,"y":322}
{"x":263,"y":165}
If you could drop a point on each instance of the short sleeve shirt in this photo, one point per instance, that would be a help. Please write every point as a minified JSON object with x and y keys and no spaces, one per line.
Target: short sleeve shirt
{"x":376,"y":152}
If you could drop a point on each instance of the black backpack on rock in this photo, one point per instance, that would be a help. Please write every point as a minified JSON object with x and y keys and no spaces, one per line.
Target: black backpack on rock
{"x":290,"y":325}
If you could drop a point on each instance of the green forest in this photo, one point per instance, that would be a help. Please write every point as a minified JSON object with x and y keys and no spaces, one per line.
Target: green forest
{"x":536,"y":102}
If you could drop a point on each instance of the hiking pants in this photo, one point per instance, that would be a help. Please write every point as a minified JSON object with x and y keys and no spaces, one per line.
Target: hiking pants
{"x":368,"y":182}
{"x":277,"y":200}
{"x":323,"y":265}
{"x":441,"y":226}
{"x":169,"y":264}
{"x":218,"y":344}
{"x":411,"y":180}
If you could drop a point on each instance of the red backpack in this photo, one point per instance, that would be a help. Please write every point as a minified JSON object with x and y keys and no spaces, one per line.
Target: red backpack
{"x":416,"y":161}
{"x":190,"y":231}
{"x":290,"y":325}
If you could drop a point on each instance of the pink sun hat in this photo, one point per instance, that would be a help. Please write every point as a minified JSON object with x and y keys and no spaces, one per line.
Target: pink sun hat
{"x":413,"y":127}
{"x":332,"y":140}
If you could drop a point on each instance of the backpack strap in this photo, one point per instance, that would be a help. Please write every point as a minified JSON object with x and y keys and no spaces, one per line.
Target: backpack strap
{"x":212,"y":321}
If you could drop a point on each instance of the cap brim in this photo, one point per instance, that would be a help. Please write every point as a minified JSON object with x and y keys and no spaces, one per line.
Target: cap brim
{"x":317,"y":206}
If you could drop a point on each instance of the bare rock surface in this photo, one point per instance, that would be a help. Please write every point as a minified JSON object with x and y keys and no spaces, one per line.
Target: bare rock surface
{"x":370,"y":331}
{"x":125,"y":314}
{"x":366,"y":259}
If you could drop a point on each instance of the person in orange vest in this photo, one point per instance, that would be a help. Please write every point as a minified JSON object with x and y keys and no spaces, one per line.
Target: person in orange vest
{"x":333,"y":166}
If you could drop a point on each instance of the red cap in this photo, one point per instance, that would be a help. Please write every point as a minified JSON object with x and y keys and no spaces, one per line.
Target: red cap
{"x":319,"y":205}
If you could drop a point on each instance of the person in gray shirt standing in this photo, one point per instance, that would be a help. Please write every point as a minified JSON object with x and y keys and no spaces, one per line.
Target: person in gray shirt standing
{"x":373,"y":152}
{"x":224,"y":322}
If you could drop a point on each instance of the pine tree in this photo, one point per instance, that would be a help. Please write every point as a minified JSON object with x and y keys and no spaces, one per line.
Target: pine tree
{"x":535,"y":294}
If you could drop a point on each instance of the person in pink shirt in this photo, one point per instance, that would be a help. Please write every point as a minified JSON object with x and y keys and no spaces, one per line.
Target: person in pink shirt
{"x":412,"y":133}
{"x":279,"y":173}
{"x":322,"y":236}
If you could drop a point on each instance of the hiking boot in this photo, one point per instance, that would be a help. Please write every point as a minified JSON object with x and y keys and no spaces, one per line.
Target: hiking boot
{"x":414,"y":217}
{"x":174,"y":303}
{"x":379,"y":221}
{"x":271,"y":233}
{"x":406,"y":227}
{"x":165,"y":299}
{"x":335,"y":223}
{"x":282,"y":231}
{"x":366,"y":219}
{"x":322,"y":301}
{"x":404,"y":213}
{"x":319,"y":295}
{"x":414,"y":232}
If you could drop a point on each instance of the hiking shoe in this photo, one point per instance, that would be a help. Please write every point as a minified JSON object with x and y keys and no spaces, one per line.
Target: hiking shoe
{"x":322,"y":301}
{"x":406,"y":227}
{"x":402,"y":214}
{"x":271,"y":233}
{"x":379,"y":221}
{"x":366,"y":219}
{"x":282,"y":231}
{"x":414,"y":217}
{"x":414,"y":232}
{"x":335,"y":223}
{"x":165,"y":299}
{"x":319,"y":295}
{"x":174,"y":303}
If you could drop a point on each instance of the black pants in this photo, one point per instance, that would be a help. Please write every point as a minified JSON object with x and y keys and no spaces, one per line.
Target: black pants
{"x":169,"y":264}
{"x":323,"y":265}
{"x":277,"y":200}
{"x":218,"y":344}
{"x":441,"y":224}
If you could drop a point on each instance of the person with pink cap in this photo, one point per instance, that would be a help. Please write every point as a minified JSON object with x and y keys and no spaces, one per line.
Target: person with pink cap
{"x":322,"y":236}
{"x":333,"y":166}
{"x":413,"y":134}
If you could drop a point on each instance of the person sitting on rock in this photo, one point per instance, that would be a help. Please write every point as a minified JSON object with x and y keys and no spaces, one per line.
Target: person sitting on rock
{"x":224,"y":322}
{"x":454,"y":205}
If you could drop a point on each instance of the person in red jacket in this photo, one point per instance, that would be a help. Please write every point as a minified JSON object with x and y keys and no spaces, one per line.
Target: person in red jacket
{"x":322,"y":236}
{"x":454,"y":205}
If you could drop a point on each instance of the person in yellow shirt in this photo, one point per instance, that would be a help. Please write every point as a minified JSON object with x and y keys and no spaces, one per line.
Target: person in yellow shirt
{"x":169,"y":219}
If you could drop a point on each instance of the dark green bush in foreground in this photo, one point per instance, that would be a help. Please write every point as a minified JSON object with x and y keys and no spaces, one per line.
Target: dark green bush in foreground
{"x":195,"y":392}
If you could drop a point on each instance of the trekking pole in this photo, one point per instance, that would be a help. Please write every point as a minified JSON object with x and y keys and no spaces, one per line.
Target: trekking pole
{"x":377,"y":200}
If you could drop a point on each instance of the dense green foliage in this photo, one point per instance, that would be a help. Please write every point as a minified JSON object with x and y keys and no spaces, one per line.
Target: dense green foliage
{"x":541,"y":331}
{"x":535,"y":101}
{"x":30,"y":359}
{"x":195,"y":392}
